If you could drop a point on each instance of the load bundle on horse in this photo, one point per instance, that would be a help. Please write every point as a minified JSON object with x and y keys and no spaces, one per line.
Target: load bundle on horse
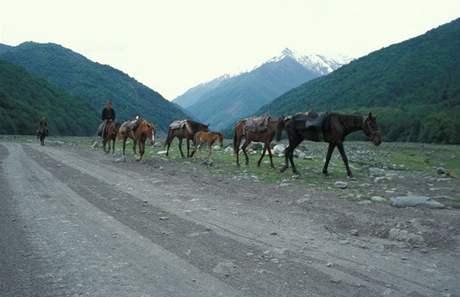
{"x":257,"y":124}
{"x":183,"y":129}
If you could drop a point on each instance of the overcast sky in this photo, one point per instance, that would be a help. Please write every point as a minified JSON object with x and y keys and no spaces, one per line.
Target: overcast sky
{"x":173,"y":45}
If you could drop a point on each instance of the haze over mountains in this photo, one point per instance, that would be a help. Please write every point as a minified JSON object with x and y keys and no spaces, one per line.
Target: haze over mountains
{"x":91,"y":83}
{"x":413,"y":87}
{"x":226,"y":99}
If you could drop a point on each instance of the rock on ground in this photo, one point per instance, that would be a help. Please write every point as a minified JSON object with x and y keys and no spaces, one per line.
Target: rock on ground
{"x":341,"y":184}
{"x":279,"y":149}
{"x":415,"y":201}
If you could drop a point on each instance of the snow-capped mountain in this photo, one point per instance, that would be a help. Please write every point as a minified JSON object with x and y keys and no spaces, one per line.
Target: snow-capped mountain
{"x":224,"y":100}
{"x":319,"y":63}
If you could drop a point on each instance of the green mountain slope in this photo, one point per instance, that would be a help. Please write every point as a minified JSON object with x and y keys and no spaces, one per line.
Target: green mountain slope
{"x":93,"y":82}
{"x":24,"y":99}
{"x":413,"y":87}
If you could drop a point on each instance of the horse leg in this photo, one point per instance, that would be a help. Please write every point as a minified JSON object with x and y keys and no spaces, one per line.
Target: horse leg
{"x":188,"y":147}
{"x":270,"y":155}
{"x":236,"y":148}
{"x":141,"y":150}
{"x":209,"y":150}
{"x":168,"y":144}
{"x":290,"y":154}
{"x":344,"y":158}
{"x":243,"y":148}
{"x":180,"y":148}
{"x":262,"y":155}
{"x":330,"y":149}
{"x":134,"y":146}
{"x":124,"y":147}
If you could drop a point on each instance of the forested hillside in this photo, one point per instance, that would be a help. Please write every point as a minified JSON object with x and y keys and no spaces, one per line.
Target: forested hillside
{"x":24,"y":99}
{"x":92,"y":82}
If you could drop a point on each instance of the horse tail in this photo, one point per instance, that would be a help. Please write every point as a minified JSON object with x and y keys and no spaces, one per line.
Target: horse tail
{"x":235,"y":139}
{"x":279,"y":128}
{"x":169,"y":137}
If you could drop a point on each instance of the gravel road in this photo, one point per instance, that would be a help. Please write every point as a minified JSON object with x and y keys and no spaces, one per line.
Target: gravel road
{"x":75,"y":223}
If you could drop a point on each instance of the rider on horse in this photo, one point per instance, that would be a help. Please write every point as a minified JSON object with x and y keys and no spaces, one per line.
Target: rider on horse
{"x":108,"y":114}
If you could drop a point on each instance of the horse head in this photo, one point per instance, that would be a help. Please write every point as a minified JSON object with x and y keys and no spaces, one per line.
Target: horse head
{"x":150,"y":131}
{"x":371,"y":129}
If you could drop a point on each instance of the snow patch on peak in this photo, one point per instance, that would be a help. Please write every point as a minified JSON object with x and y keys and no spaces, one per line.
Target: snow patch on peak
{"x":316,"y":62}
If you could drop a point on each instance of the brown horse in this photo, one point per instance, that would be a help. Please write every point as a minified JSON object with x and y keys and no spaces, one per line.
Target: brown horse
{"x":139,"y":135}
{"x":210,"y":138}
{"x":183,"y":129}
{"x":266,"y":136}
{"x":42,"y":130}
{"x":333,"y":130}
{"x":110,"y":134}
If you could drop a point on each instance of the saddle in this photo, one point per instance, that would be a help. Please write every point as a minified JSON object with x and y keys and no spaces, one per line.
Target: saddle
{"x":257,"y":124}
{"x":178,"y":124}
{"x":310,"y":120}
{"x":132,"y":125}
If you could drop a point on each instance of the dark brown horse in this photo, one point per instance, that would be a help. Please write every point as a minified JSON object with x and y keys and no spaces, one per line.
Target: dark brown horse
{"x":333,"y":130}
{"x":183,"y":129}
{"x":209,"y":138}
{"x":110,"y":134}
{"x":266,"y":136}
{"x":42,"y":130}
{"x":142,"y":132}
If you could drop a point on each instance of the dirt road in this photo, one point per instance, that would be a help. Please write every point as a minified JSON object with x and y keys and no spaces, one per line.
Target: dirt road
{"x":75,"y":223}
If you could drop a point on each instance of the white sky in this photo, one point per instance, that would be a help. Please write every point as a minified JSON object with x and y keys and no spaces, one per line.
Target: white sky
{"x":173,"y":45}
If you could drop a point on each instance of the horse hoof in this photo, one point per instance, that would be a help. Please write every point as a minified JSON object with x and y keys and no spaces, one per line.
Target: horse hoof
{"x":296,"y":173}
{"x":283,"y":169}
{"x":326,"y":174}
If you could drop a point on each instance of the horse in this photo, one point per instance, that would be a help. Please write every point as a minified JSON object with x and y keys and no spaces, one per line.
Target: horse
{"x":210,"y":138}
{"x":333,"y":130}
{"x":42,"y":130}
{"x":266,"y":136}
{"x":183,"y":129}
{"x":110,"y":134}
{"x":139,"y":135}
